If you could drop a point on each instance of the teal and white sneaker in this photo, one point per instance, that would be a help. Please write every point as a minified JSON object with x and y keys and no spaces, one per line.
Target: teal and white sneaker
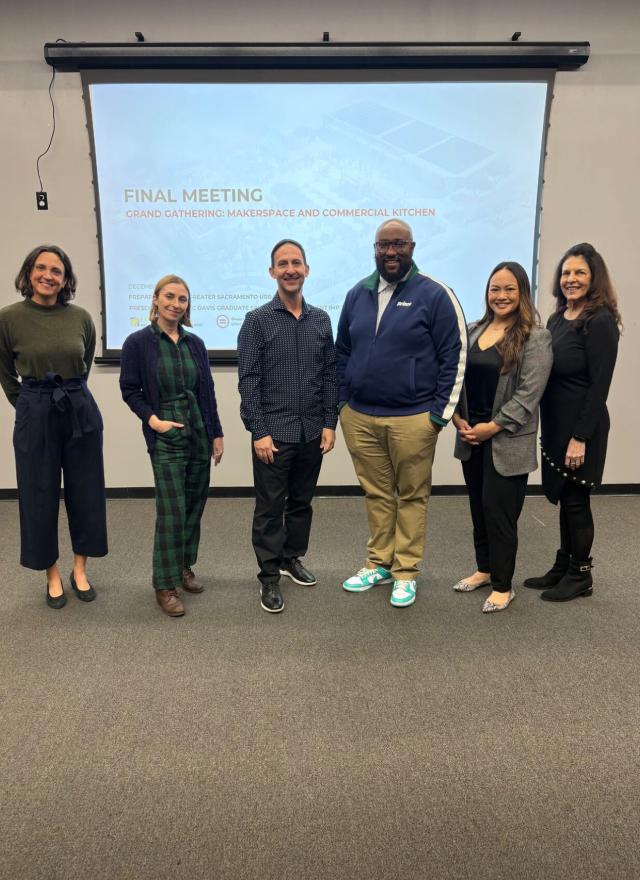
{"x":403,"y":593}
{"x":367,"y":578}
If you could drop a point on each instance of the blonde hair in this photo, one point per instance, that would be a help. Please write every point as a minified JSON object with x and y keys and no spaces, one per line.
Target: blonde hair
{"x":170,"y":279}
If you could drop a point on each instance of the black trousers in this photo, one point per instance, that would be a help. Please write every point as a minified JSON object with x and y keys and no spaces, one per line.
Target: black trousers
{"x":283,"y":512}
{"x":58,"y":430}
{"x":576,"y":520}
{"x":496,"y":503}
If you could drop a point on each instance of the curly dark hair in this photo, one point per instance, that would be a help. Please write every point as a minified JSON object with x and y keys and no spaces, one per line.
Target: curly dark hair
{"x":23,"y":278}
{"x":601,"y":293}
{"x":512,"y":344}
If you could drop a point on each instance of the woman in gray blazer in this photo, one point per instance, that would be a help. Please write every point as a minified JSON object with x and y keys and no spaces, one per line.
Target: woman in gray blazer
{"x":508,"y":366}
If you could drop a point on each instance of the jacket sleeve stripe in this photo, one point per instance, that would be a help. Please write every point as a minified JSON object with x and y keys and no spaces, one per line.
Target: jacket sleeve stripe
{"x":456,"y":389}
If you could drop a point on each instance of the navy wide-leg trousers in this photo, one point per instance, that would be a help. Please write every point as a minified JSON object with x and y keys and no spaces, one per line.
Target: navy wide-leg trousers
{"x":58,"y":431}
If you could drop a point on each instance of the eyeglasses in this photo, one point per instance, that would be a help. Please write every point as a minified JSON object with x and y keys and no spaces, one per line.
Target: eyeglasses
{"x":398,"y":244}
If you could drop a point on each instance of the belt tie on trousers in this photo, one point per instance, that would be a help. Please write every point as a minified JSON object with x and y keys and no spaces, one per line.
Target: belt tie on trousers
{"x":65,"y":397}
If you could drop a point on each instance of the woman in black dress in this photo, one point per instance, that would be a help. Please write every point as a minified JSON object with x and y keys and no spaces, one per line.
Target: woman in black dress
{"x":575,"y":422}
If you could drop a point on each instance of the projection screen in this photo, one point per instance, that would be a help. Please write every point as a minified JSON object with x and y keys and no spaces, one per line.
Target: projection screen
{"x":200,"y":179}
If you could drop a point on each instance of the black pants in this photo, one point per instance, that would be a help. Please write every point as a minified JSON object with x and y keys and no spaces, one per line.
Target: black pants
{"x":59,"y":430}
{"x":283,"y":512}
{"x":496,"y":503}
{"x":576,"y":520}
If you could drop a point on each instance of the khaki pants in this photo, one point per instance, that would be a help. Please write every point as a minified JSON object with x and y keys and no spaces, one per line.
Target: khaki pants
{"x":392,"y":457}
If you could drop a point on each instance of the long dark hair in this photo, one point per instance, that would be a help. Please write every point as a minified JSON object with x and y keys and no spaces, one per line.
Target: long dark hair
{"x":601,"y":293}
{"x":512,"y":343}
{"x":23,"y":278}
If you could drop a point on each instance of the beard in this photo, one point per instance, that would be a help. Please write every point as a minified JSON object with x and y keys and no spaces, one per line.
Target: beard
{"x":393,"y":268}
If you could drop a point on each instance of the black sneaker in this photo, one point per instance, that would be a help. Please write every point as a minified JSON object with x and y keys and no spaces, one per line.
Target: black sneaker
{"x":295,"y":570}
{"x":271,"y":598}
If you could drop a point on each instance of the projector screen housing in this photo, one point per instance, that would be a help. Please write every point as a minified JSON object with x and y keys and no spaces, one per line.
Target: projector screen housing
{"x":66,"y":57}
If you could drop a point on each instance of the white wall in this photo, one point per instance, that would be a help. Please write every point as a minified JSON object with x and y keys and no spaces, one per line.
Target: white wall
{"x":591,"y":190}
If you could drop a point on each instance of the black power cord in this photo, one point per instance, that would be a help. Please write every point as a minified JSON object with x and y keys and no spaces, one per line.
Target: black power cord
{"x":53,"y":114}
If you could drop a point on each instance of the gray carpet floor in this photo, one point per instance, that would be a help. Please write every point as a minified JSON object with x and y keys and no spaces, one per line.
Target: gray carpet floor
{"x":341,"y":739}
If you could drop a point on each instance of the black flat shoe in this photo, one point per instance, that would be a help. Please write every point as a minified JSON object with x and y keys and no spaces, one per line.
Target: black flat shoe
{"x":85,"y":595}
{"x":56,"y":601}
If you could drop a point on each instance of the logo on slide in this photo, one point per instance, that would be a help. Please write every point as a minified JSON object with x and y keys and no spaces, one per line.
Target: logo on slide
{"x":222,"y":321}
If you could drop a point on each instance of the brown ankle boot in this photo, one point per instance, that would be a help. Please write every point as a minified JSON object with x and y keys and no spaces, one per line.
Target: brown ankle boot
{"x":170,"y":602}
{"x":189,"y":582}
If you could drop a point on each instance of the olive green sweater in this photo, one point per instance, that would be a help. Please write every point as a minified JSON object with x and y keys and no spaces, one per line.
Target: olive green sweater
{"x":36,"y":340}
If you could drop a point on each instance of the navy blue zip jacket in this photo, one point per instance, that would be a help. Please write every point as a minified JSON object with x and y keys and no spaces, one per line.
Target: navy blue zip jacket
{"x":139,"y":381}
{"x":415,"y":362}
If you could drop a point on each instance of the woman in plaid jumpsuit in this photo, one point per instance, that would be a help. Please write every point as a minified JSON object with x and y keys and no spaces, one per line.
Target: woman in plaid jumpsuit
{"x":166,"y":380}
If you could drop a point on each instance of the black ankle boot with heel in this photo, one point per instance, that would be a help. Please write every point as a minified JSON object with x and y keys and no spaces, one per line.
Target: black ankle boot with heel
{"x":553,"y":576}
{"x":576,"y":582}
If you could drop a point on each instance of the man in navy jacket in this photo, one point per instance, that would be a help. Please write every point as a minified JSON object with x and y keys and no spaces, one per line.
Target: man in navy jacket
{"x":401,"y":353}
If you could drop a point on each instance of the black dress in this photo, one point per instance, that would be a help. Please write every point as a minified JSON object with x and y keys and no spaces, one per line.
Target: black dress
{"x":574,"y":402}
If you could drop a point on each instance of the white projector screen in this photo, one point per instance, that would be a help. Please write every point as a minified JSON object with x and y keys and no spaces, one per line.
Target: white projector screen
{"x":201,"y":180}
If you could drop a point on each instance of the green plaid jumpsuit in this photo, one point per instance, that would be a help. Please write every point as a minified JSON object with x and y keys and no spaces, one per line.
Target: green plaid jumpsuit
{"x":181,"y":464}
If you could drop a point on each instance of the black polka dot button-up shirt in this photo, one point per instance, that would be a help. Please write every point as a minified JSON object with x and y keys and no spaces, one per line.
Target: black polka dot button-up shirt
{"x":287,"y":373}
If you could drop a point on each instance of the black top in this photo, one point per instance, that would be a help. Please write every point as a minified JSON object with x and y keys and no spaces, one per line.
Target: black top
{"x":481,"y":381}
{"x":287,"y":373}
{"x":574,"y":402}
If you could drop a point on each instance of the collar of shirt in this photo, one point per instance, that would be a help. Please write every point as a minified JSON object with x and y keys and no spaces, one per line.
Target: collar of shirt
{"x":160,"y":332}
{"x":390,"y":286}
{"x":277,"y":303}
{"x":371,"y":282}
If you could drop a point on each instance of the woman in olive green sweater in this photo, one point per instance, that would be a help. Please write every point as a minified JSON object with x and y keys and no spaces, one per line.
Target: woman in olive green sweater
{"x":46,"y":352}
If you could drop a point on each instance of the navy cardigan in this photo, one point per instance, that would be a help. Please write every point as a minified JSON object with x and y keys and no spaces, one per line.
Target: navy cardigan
{"x":139,"y":381}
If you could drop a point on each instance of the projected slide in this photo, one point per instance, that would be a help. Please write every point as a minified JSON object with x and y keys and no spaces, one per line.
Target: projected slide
{"x":201,"y":180}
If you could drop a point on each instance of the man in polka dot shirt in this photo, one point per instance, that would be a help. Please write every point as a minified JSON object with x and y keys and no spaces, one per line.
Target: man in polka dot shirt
{"x":287,"y":384}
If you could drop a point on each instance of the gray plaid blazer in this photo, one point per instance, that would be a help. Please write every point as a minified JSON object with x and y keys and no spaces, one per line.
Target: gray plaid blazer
{"x":516,"y":405}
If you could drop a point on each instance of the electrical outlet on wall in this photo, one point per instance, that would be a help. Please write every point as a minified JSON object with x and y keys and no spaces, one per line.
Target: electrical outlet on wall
{"x":42,"y":201}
